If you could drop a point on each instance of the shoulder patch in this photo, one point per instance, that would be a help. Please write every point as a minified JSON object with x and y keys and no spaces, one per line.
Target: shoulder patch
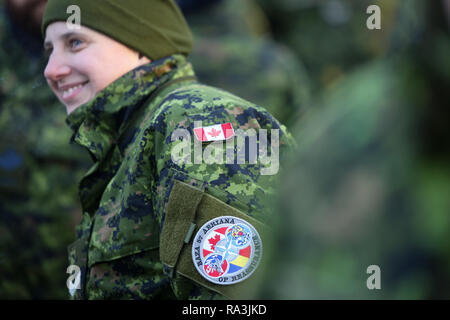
{"x":226,"y":250}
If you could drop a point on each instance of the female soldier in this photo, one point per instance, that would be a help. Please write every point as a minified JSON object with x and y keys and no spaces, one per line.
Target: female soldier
{"x":127,"y":87}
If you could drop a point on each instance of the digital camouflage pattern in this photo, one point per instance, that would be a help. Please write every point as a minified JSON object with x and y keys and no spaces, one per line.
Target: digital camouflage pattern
{"x":128,"y":130}
{"x":39,"y":171}
{"x":237,"y":54}
{"x":369,"y":184}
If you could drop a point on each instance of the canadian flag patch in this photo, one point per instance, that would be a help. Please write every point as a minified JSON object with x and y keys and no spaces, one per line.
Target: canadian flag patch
{"x":216,"y":132}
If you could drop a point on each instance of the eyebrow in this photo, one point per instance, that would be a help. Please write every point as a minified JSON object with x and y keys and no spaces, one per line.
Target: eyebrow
{"x":65,"y":36}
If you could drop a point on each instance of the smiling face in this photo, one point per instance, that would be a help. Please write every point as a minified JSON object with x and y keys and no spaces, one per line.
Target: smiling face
{"x":82,"y":62}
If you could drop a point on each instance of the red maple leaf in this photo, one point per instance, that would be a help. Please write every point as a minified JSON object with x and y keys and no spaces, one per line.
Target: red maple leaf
{"x":213,"y":241}
{"x":214,"y":133}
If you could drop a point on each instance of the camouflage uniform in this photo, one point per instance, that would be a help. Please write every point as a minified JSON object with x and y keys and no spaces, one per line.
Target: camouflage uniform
{"x":236,"y":54}
{"x":128,"y":194}
{"x":369,"y":184}
{"x":38,"y":173}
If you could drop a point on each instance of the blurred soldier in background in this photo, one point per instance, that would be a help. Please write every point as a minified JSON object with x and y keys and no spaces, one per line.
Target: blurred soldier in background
{"x":236,"y":53}
{"x":370,"y":183}
{"x":329,"y":36}
{"x":39,"y":170}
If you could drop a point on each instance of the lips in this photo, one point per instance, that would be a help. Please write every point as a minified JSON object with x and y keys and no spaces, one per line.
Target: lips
{"x":68,"y":92}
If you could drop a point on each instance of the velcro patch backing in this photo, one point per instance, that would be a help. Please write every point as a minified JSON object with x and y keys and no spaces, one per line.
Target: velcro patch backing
{"x":188,"y":205}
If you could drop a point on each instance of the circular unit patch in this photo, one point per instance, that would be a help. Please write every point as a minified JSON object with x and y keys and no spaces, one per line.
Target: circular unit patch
{"x":226,"y":250}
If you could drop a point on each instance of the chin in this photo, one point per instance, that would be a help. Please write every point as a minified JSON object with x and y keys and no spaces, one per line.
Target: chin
{"x":71,"y":108}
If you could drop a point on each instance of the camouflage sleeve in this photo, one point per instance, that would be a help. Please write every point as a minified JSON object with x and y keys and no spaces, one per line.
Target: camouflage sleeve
{"x":213,"y":168}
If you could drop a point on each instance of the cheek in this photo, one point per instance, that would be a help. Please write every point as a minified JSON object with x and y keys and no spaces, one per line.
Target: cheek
{"x":93,"y":69}
{"x":106,"y":72}
{"x":101,"y":79}
{"x":103,"y":67}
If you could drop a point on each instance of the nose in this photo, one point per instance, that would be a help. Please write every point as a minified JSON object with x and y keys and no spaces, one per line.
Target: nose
{"x":57,"y":67}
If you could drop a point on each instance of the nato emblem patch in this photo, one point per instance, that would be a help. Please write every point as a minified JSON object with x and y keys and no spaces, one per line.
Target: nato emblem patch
{"x":226,"y":250}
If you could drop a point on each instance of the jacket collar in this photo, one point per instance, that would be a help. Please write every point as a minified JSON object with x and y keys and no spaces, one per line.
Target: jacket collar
{"x":97,"y":124}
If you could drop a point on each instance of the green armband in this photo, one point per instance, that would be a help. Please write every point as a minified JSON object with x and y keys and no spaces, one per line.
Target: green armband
{"x":188,"y":210}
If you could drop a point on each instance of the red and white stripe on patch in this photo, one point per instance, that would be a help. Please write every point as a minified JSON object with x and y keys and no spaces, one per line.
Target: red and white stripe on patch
{"x":216,"y":132}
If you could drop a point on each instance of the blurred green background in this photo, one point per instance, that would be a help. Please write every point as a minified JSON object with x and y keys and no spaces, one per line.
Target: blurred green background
{"x":369,"y":183}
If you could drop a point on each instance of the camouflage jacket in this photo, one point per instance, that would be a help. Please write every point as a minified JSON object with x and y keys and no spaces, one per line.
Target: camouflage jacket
{"x":126,"y":247}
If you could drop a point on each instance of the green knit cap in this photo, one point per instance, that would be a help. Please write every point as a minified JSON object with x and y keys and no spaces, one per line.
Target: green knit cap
{"x":155,"y":28}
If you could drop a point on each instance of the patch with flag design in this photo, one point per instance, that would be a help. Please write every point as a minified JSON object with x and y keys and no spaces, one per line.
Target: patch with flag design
{"x":226,"y":250}
{"x":217,"y":132}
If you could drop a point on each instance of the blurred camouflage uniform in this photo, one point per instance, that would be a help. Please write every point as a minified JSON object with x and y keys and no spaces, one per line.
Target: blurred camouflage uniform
{"x":38,"y":173}
{"x":125,"y":248}
{"x":369,"y":185}
{"x":329,"y":36}
{"x":236,"y":54}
